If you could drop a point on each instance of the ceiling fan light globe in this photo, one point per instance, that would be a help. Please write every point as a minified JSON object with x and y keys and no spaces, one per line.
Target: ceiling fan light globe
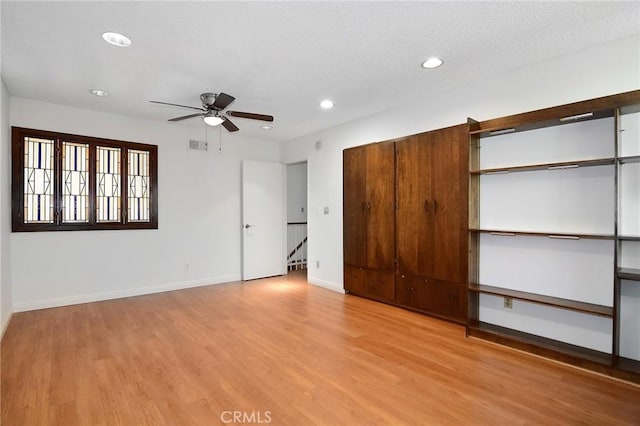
{"x":432,"y":63}
{"x":212,"y":120}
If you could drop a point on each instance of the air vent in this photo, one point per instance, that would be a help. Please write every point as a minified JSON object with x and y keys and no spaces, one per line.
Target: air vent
{"x":198,"y":145}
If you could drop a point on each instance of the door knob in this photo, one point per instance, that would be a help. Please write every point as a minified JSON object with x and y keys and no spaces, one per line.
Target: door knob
{"x":247,"y":226}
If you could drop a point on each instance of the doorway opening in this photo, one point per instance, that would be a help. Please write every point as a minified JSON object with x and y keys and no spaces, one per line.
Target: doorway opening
{"x":297,"y":238}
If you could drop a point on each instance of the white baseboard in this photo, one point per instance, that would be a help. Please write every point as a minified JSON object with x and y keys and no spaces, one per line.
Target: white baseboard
{"x":118,"y":294}
{"x":5,"y":325}
{"x":326,"y":284}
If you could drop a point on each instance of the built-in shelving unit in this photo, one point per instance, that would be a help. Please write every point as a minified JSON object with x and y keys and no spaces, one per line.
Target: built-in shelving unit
{"x":554,"y":233}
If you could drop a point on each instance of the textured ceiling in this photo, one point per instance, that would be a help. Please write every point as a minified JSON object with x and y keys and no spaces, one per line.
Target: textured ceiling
{"x":282,"y":58}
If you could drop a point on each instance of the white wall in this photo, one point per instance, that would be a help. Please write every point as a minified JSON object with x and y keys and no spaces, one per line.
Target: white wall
{"x":558,"y":81}
{"x":199,"y":216}
{"x":6,"y":305}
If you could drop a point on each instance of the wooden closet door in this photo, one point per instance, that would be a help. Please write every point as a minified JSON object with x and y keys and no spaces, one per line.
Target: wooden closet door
{"x":380,"y":206}
{"x":449,"y":181}
{"x":354,"y":210}
{"x":413,"y":192}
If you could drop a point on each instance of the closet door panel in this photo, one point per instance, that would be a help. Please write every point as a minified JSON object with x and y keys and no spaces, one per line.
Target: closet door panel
{"x":354,"y":197}
{"x":414,"y":193}
{"x":449,"y":180}
{"x":380,"y":189}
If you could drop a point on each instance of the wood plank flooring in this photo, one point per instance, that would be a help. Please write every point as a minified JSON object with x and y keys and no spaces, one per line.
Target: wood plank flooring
{"x":282,"y":352}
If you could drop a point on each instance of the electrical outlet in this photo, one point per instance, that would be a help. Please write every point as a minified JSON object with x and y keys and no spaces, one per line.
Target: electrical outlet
{"x":326,"y":210}
{"x":187,"y":267}
{"x":508,"y":302}
{"x":317,"y":264}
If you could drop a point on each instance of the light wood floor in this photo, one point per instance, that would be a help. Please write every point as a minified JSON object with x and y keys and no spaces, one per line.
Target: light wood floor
{"x":281,"y":350}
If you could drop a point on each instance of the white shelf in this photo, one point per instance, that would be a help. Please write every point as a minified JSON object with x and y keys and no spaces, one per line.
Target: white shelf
{"x":568,"y":201}
{"x":580,"y":141}
{"x":579,"y":270}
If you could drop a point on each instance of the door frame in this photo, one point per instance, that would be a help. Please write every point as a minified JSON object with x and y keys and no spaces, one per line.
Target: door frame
{"x":289,"y":162}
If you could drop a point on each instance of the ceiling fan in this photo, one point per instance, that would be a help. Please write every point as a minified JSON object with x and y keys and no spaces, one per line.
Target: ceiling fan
{"x":212,"y":114}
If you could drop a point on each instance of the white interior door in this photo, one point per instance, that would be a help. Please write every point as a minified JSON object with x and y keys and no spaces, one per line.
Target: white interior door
{"x":263,"y":219}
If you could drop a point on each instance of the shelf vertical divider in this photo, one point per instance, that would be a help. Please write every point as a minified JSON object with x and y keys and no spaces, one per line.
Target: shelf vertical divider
{"x":473,"y":298}
{"x":615,"y":350}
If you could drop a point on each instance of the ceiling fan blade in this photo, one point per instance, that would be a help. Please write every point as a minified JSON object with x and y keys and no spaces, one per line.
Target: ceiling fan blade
{"x":250,"y":115}
{"x":229,"y":125}
{"x":222,"y":101}
{"x":184,"y":117}
{"x":176,"y":105}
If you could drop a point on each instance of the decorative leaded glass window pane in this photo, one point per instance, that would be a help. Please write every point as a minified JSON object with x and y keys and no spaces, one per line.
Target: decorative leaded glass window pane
{"x":63,"y":182}
{"x":108,"y":179}
{"x":138,"y":199}
{"x":38,"y":180}
{"x":75,"y":182}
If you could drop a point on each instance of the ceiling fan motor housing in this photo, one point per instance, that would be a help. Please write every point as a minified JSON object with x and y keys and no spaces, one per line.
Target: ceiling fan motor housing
{"x":208,"y":99}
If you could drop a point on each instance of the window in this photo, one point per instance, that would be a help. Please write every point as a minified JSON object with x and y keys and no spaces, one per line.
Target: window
{"x":69,"y":182}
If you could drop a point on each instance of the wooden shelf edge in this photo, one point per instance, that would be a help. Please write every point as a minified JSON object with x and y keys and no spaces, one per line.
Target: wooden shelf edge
{"x":511,"y":124}
{"x":557,"y":302}
{"x":540,"y":345}
{"x":600,"y":362}
{"x":632,"y":274}
{"x":558,"y":235}
{"x":600,"y":107}
{"x":494,"y":127}
{"x":629,"y":159}
{"x":628,"y":364}
{"x":564,"y":165}
{"x":628,"y":238}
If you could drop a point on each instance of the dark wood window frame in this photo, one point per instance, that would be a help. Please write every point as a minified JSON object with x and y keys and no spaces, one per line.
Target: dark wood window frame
{"x":18,"y":176}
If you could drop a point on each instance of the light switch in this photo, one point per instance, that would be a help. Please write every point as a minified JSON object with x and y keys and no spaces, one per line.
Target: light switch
{"x":326,"y":210}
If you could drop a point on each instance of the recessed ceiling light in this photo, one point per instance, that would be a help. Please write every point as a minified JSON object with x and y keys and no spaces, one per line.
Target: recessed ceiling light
{"x":327,"y":104}
{"x":431,"y":63}
{"x":98,"y":92}
{"x":117,"y":39}
{"x":266,"y":127}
